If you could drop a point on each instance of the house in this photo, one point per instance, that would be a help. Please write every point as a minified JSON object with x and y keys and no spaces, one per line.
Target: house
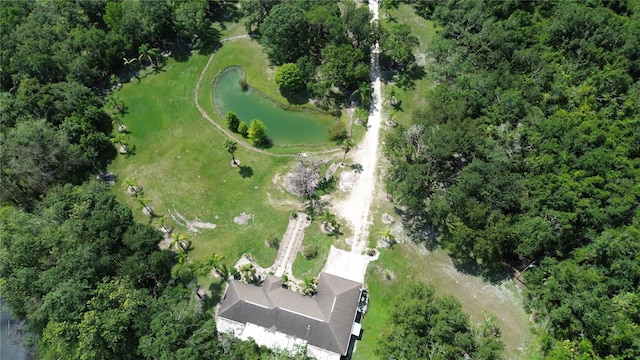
{"x":280,"y":318}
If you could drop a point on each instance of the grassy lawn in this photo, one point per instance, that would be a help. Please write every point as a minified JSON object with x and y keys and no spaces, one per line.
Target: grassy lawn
{"x":413,"y":98}
{"x":407,"y":263}
{"x":301,"y":266}
{"x":179,"y":160}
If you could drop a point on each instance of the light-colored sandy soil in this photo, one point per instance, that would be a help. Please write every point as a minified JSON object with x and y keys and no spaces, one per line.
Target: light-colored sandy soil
{"x":355,"y":207}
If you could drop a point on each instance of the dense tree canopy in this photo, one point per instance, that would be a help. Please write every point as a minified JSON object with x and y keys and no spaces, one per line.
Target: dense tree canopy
{"x":329,"y":43}
{"x":54,"y":56}
{"x":527,"y":152}
{"x":423,"y":326}
{"x":91,"y":283}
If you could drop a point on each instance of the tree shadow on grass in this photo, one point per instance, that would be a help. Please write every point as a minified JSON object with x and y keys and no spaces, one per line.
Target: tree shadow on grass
{"x":493,"y":273}
{"x":245,"y":171}
{"x":215,"y":289}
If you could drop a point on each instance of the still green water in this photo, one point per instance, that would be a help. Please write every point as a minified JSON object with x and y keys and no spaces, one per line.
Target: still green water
{"x":284,"y":127}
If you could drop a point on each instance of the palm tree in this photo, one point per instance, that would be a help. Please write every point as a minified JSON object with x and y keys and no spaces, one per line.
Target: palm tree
{"x":231,"y":147}
{"x":179,"y":239}
{"x":347,"y":145}
{"x":148,"y":210}
{"x":364,"y":91}
{"x":248,"y":273}
{"x":330,"y":221}
{"x":115,"y":120}
{"x":120,"y":140}
{"x":146,"y":51}
{"x":129,"y":61}
{"x":164,"y":226}
{"x":131,"y":186}
{"x":116,"y":102}
{"x":215,"y":261}
{"x":388,"y":237}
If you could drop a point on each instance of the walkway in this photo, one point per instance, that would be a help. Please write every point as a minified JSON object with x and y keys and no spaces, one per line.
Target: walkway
{"x":289,"y":246}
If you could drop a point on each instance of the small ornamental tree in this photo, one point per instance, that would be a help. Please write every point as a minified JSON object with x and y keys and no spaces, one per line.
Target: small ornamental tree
{"x":289,"y":78}
{"x":257,"y":133}
{"x":310,"y":251}
{"x":232,"y":121}
{"x":231,"y":147}
{"x":243,"y":129}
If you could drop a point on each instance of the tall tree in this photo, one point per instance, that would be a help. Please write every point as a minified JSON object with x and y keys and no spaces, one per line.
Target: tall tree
{"x":285,"y":34}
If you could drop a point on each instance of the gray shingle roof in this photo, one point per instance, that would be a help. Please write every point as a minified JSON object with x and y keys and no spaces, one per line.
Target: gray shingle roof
{"x":324,"y":320}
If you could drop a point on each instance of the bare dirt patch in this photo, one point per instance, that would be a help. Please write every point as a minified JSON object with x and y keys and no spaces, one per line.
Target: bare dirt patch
{"x":347,"y":179}
{"x":387,"y":219}
{"x":194,"y":225}
{"x":243,"y":219}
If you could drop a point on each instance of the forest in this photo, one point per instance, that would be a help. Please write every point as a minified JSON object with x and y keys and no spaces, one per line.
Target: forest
{"x":91,"y":282}
{"x":526,"y":157}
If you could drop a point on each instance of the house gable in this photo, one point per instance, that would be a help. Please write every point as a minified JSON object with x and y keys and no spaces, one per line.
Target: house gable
{"x":324,"y":320}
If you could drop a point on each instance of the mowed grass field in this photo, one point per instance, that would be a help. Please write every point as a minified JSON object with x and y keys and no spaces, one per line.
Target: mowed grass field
{"x":179,"y":160}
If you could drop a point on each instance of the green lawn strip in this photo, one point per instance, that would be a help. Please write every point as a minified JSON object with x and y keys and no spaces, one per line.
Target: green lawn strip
{"x":179,"y":160}
{"x":406,"y":263}
{"x":313,"y":236}
{"x":415,"y":98}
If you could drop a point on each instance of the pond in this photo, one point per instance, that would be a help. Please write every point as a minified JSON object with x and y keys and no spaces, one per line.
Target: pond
{"x":10,"y":336}
{"x":284,"y":127}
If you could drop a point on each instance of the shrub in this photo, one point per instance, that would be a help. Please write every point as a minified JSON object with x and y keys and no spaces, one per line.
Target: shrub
{"x":310,"y":251}
{"x":257,"y":132}
{"x":289,"y":78}
{"x":338,"y":132}
{"x":244,"y":84}
{"x":273,"y":242}
{"x":243,"y":129}
{"x":232,"y":121}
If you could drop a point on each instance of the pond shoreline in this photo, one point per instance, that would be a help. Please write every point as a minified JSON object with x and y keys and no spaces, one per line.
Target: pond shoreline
{"x":283,"y":121}
{"x":281,"y":105}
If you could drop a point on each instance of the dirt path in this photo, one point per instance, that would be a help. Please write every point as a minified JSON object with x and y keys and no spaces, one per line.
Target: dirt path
{"x":355,"y":208}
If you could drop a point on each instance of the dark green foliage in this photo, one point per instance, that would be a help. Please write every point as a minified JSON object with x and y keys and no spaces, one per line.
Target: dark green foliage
{"x":398,"y":45}
{"x":422,"y":325}
{"x":345,"y":66}
{"x":232,"y":121}
{"x":284,"y":34}
{"x":311,"y":33}
{"x":338,"y":131}
{"x":243,"y":129}
{"x":527,"y":151}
